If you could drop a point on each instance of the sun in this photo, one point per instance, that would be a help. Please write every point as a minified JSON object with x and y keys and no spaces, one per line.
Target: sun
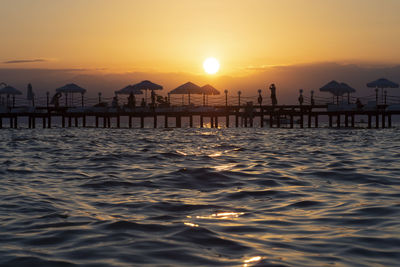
{"x":211,"y":65}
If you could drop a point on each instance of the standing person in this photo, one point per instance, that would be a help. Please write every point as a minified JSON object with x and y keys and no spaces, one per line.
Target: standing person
{"x":273,"y":94}
{"x":131,"y":100}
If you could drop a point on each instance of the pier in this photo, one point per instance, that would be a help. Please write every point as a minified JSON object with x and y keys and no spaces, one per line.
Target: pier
{"x":287,"y":116}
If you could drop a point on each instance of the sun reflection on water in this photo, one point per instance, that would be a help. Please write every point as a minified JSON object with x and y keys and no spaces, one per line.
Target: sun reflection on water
{"x":221,"y":215}
{"x":251,"y":260}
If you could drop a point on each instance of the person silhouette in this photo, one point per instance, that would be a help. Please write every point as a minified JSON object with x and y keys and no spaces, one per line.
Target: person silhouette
{"x":274,"y":101}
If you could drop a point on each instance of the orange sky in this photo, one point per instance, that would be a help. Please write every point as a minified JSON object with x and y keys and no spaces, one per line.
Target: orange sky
{"x":177,"y":35}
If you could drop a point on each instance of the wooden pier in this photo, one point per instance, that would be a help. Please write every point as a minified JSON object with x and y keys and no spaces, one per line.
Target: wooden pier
{"x":289,"y":116}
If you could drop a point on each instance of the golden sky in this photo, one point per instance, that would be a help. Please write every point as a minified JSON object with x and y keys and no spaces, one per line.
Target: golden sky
{"x":177,"y":35}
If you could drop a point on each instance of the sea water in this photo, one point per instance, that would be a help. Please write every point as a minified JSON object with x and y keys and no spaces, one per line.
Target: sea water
{"x":199,"y":197}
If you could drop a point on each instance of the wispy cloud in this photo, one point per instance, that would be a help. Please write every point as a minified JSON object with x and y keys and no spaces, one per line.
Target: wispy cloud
{"x":17,"y":61}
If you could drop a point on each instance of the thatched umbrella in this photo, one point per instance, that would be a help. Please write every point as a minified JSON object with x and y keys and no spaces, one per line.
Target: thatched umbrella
{"x":71,"y":88}
{"x":382,"y":83}
{"x":187,"y":88}
{"x":208,"y":90}
{"x":147,"y":85}
{"x":9,"y":90}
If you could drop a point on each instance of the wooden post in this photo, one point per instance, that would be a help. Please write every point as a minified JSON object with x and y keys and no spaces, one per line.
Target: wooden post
{"x":34,"y":122}
{"x":130,"y":121}
{"x":191,"y":121}
{"x":278,"y":120}
{"x":166,"y":121}
{"x":251,"y":122}
{"x":15,"y":122}
{"x":227,"y":121}
{"x":309,"y":119}
{"x":346,"y":120}
{"x":62,"y":122}
{"x":118,"y":121}
{"x":316,"y":120}
{"x":301,"y":120}
{"x":261,"y":117}
{"x":291,"y":120}
{"x":179,"y":121}
{"x":104,"y":122}
{"x":330,"y":120}
{"x":377,"y":120}
{"x":29,"y":122}
{"x":352,"y":120}
{"x":245,"y":121}
{"x":44,"y":122}
{"x":338,"y":121}
{"x":97,"y":121}
{"x":390,"y":120}
{"x":201,"y":121}
{"x":237,"y":120}
{"x":383,"y":120}
{"x":49,"y":121}
{"x":76,"y":121}
{"x":69,"y":121}
{"x":141,"y":121}
{"x":369,"y":121}
{"x":271,"y":120}
{"x":1,"y":122}
{"x":84,"y":120}
{"x":11,"y":122}
{"x":109,"y":121}
{"x":155,"y":121}
{"x":212,"y":121}
{"x":216,"y":121}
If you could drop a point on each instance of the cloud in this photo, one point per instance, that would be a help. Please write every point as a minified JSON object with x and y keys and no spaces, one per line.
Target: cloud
{"x":25,"y":61}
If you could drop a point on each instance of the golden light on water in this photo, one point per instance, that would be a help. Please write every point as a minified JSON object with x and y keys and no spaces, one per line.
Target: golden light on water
{"x":222,"y":215}
{"x":191,"y":224}
{"x":251,"y":260}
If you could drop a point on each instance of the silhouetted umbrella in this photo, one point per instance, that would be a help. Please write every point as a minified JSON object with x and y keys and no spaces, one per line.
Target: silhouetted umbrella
{"x":71,"y":88}
{"x":382,"y":83}
{"x":147,"y":85}
{"x":334,"y":88}
{"x":128,"y":90}
{"x":208,"y":90}
{"x":347,"y":89}
{"x":9,"y":90}
{"x":187,"y":88}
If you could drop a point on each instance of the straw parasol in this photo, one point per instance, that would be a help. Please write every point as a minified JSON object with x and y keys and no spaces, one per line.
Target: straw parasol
{"x":9,"y":90}
{"x":71,"y":88}
{"x":187,"y":88}
{"x":208,"y":90}
{"x":382,"y":83}
{"x":147,"y":85}
{"x":128,"y":90}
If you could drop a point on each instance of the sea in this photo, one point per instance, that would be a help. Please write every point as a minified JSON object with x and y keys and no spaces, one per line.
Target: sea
{"x":199,"y":197}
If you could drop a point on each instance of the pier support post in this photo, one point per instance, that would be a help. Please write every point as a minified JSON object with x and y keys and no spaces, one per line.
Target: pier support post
{"x":338,"y":121}
{"x":69,"y":121}
{"x":76,"y":121}
{"x":271,"y":120}
{"x":141,"y":122}
{"x":291,"y":120}
{"x":155,"y":121}
{"x":11,"y":122}
{"x":369,"y":121}
{"x":216,"y":122}
{"x":97,"y":121}
{"x":278,"y":120}
{"x":118,"y":121}
{"x":383,"y":120}
{"x":33,"y":122}
{"x":316,"y":120}
{"x":236,"y":120}
{"x":227,"y":121}
{"x":178,"y":121}
{"x":84,"y":121}
{"x":104,"y":122}
{"x":1,"y":122}
{"x":346,"y":120}
{"x":44,"y":122}
{"x":130,"y":121}
{"x":201,"y":121}
{"x":212,"y":121}
{"x":15,"y":122}
{"x":352,"y":120}
{"x":390,"y":120}
{"x":251,"y":122}
{"x":109,"y":121}
{"x":29,"y":122}
{"x":261,"y":118}
{"x":191,"y":121}
{"x":377,"y":120}
{"x":166,"y":121}
{"x":309,"y":120}
{"x":330,"y":120}
{"x":245,"y":121}
{"x":301,"y":120}
{"x":62,"y":121}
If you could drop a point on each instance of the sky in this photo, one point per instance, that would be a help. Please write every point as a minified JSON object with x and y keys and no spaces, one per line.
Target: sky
{"x":177,"y":35}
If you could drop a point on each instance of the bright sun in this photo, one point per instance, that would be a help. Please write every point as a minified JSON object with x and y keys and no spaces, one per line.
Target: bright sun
{"x":211,"y":65}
